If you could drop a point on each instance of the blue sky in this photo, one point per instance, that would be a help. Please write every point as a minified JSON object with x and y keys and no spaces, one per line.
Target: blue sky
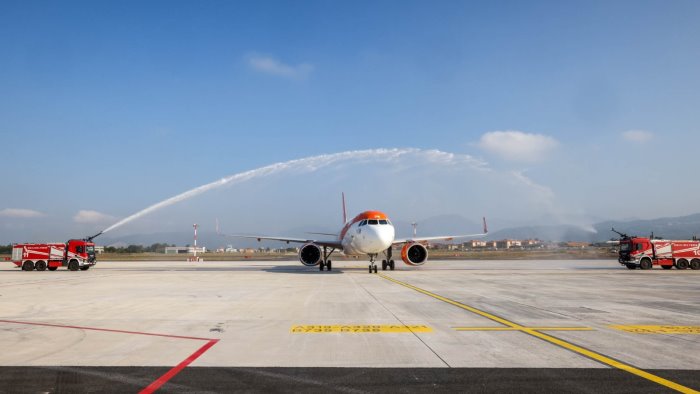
{"x":596,"y":102}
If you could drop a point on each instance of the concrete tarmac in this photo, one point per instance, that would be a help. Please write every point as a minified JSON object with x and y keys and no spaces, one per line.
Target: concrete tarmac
{"x":478,"y":326}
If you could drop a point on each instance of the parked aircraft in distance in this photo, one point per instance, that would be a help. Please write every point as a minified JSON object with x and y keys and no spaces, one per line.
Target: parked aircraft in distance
{"x":369,"y":233}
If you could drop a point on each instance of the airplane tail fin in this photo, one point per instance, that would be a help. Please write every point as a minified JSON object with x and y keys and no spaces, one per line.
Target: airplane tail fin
{"x":486,"y":229}
{"x":345,"y":214}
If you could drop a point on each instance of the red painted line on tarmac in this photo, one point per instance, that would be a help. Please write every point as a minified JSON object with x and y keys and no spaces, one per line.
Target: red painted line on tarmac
{"x":161,"y":380}
{"x":104,"y":329}
{"x":176,"y":370}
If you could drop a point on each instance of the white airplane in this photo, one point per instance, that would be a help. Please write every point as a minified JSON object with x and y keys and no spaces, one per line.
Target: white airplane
{"x":368,"y":233}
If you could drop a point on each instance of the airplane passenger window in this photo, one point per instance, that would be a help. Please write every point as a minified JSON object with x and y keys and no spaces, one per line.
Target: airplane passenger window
{"x":371,"y":222}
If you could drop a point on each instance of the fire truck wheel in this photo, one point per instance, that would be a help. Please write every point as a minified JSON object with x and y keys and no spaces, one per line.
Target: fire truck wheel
{"x":53,"y":268}
{"x":73,"y":265}
{"x":682,"y":264}
{"x":40,"y":265}
{"x":85,"y":268}
{"x":27,"y":266}
{"x":645,"y":264}
{"x":695,"y":264}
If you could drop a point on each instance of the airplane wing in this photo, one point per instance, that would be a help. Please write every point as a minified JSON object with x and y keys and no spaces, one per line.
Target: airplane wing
{"x":329,"y":234}
{"x":329,"y":243}
{"x":442,"y":237}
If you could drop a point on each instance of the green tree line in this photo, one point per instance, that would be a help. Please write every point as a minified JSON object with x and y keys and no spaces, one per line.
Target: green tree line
{"x":155,"y":248}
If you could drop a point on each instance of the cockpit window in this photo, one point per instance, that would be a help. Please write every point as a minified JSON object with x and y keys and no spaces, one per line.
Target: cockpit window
{"x":383,"y":221}
{"x":362,"y":223}
{"x":373,"y":222}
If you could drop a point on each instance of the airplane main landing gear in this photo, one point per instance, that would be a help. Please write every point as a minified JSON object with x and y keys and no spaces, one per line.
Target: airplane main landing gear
{"x":326,"y":263}
{"x":388,"y":262}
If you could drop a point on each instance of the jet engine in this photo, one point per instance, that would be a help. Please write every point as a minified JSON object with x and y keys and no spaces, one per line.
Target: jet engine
{"x":414,"y":254}
{"x":310,"y":254}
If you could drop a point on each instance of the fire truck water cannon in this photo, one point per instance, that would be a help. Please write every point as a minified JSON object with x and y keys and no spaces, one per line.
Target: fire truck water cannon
{"x":622,"y":235}
{"x":89,"y":239}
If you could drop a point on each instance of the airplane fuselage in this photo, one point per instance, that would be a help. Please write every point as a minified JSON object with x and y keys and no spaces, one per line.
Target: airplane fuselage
{"x":370,"y":232}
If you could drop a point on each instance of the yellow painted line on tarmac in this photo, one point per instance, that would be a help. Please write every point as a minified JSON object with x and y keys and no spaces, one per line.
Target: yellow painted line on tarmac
{"x":694,"y":330}
{"x":611,"y":362}
{"x":359,"y":329}
{"x":524,"y":328}
{"x":455,"y":303}
{"x":554,"y":340}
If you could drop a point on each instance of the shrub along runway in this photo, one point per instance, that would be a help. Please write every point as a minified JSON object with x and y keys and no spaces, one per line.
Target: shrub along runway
{"x":278,"y":326}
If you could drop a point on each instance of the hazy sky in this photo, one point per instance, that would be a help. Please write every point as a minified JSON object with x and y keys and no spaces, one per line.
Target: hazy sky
{"x":574,"y":109}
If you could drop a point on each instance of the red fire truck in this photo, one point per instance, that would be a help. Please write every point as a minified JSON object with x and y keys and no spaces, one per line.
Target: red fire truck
{"x":646,"y":252}
{"x":75,"y":254}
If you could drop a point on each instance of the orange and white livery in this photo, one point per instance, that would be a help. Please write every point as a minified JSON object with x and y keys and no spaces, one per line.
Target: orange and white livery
{"x":369,"y":233}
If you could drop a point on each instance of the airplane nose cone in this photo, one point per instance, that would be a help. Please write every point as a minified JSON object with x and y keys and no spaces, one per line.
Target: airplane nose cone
{"x":386,"y":235}
{"x":379,"y":238}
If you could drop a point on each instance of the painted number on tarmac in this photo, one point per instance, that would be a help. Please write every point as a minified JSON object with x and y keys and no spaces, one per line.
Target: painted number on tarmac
{"x":358,"y":329}
{"x":660,"y":329}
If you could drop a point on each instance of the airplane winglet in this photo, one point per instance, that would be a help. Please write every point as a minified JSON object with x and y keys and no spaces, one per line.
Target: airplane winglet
{"x":218,"y":230}
{"x":345,"y":214}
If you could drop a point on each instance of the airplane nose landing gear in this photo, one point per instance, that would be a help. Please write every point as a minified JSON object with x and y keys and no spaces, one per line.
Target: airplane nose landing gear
{"x":372,"y":266}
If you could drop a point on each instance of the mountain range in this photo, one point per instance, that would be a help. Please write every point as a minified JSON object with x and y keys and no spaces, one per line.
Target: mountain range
{"x":683,"y":227}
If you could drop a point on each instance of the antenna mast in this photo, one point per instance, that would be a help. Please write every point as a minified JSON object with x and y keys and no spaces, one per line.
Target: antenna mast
{"x":194,"y":257}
